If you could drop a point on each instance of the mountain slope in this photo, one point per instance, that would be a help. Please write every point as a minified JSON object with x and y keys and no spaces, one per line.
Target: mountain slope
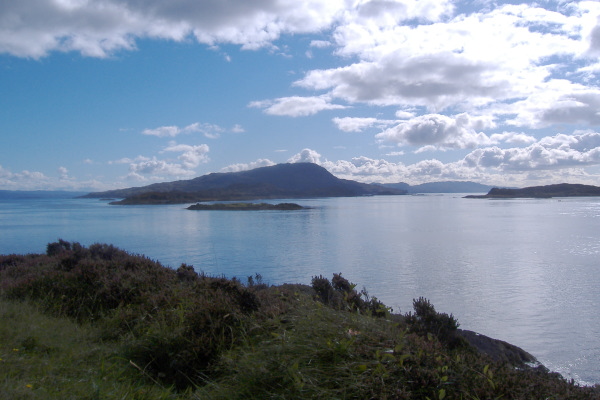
{"x":282,"y":180}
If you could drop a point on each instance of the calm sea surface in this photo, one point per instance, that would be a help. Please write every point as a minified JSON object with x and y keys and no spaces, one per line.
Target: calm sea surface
{"x":525,"y":271}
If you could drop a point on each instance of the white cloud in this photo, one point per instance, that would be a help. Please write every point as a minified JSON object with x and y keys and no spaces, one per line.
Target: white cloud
{"x":127,"y":160}
{"x":163,"y":131}
{"x":210,"y":131}
{"x":151,"y":169}
{"x":320,"y":43}
{"x":34,"y":180}
{"x":552,"y":159}
{"x":404,"y":114}
{"x":512,"y":138}
{"x":460,"y":79}
{"x":263,"y":162}
{"x":494,"y":60}
{"x":191,"y":156}
{"x":155,"y":168}
{"x":354,"y":124}
{"x":458,"y":132}
{"x":296,"y":106}
{"x":553,"y":152}
{"x":237,"y":128}
{"x":33,"y":28}
{"x":306,"y":155}
{"x":63,"y":173}
{"x":22,"y":180}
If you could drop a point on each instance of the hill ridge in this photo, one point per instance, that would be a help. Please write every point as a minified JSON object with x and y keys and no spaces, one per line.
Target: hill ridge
{"x":277,"y":181}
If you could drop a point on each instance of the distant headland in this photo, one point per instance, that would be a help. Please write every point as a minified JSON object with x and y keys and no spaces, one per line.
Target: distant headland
{"x":544,"y":192}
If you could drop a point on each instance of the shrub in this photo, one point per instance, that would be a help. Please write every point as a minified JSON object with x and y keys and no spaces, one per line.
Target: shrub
{"x":341,"y":293}
{"x":324,"y":289}
{"x":426,"y":320}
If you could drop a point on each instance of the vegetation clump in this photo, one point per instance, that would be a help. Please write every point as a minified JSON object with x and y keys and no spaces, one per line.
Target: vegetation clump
{"x":124,"y":326}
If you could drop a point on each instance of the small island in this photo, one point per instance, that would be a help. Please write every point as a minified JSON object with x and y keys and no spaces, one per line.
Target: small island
{"x":246,"y":206}
{"x":541,"y":192}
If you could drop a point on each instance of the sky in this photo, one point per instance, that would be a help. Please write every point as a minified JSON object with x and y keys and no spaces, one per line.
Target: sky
{"x":104,"y":94}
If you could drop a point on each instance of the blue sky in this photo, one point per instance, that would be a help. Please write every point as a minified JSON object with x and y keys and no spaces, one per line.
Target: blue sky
{"x":106,"y":94}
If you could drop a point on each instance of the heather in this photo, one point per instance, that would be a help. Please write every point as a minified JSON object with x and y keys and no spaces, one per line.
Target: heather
{"x":97,"y":322}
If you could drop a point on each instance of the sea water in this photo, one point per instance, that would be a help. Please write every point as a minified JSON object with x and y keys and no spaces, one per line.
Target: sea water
{"x":524,"y":271}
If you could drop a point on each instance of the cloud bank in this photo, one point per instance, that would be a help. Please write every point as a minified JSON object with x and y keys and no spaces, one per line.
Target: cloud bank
{"x":498,"y":85}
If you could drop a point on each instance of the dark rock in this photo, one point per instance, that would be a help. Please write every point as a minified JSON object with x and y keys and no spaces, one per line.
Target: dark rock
{"x":500,"y":351}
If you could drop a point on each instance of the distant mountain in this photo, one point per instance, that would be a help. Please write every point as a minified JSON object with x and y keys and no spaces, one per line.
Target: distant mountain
{"x":441,"y":187}
{"x":279,"y":181}
{"x":558,"y":190}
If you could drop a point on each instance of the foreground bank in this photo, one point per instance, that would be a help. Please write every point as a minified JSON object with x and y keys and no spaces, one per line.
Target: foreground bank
{"x":124,"y":326}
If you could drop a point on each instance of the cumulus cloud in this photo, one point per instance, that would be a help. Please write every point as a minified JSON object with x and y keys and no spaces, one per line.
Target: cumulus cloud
{"x":558,"y":158}
{"x":461,"y":78}
{"x":296,"y":106}
{"x":306,"y":155}
{"x":400,"y":59}
{"x":559,"y":151}
{"x":441,"y":131}
{"x":512,"y":138}
{"x":434,"y":81}
{"x":35,"y":180}
{"x":263,"y":162}
{"x":151,"y":168}
{"x":22,"y":180}
{"x":191,"y":156}
{"x":575,"y":108}
{"x":33,"y":28}
{"x":155,"y":167}
{"x":408,"y":65}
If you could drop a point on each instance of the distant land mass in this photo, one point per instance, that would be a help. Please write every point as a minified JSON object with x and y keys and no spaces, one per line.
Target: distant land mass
{"x":548,"y":191}
{"x":299,"y":180}
{"x":441,"y":187}
{"x":246,"y":206}
{"x":38,"y":194}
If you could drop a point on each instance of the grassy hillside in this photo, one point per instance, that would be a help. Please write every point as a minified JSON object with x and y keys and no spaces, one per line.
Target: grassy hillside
{"x":99,"y":323}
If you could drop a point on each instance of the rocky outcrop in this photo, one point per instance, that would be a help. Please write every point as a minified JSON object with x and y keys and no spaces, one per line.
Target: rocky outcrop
{"x":500,"y":351}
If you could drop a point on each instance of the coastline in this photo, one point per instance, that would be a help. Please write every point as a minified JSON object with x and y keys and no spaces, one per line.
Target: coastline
{"x":177,"y":322}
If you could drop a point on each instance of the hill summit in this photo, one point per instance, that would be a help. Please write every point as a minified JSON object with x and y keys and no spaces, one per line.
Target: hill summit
{"x":298,"y":180}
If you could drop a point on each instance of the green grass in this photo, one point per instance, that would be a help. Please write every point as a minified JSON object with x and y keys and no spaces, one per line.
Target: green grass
{"x":44,"y":357}
{"x":99,"y":323}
